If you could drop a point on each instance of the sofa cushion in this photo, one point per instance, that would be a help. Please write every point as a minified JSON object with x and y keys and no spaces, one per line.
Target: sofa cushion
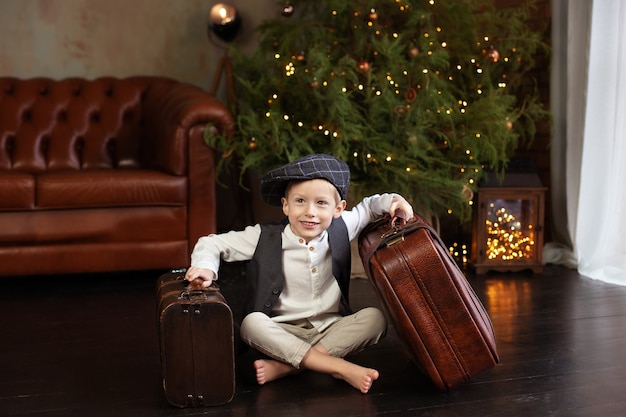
{"x":109,"y":188}
{"x":122,"y":224}
{"x":17,"y":191}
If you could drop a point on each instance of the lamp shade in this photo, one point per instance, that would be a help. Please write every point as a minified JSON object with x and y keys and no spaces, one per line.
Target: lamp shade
{"x":224,"y":21}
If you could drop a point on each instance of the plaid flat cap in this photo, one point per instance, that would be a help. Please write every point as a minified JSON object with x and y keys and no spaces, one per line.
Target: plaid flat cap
{"x":318,"y":166}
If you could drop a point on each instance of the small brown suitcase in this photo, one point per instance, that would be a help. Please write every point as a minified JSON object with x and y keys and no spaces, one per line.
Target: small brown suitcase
{"x":433,"y":307}
{"x":196,"y":342}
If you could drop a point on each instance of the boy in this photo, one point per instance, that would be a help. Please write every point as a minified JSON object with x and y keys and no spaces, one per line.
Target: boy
{"x":300,"y":272}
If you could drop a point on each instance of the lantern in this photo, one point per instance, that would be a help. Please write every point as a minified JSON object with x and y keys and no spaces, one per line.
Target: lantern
{"x":507,"y":223}
{"x":224,"y":22}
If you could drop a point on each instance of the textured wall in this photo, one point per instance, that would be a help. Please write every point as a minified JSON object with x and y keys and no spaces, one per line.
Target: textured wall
{"x":91,"y":38}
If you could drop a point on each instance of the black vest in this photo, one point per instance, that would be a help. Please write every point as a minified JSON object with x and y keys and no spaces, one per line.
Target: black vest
{"x":265,"y":270}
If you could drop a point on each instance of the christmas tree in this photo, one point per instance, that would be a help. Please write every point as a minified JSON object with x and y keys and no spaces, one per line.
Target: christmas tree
{"x":418,"y":97}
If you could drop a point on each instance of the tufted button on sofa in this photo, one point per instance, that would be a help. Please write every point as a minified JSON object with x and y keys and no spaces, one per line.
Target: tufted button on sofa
{"x":104,"y":175}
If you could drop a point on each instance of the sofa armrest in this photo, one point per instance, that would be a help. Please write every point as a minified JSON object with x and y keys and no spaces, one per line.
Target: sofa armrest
{"x":170,"y":111}
{"x":175,"y":116}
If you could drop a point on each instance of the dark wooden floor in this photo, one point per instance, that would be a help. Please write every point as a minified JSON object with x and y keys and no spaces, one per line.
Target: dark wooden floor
{"x":87,"y":346}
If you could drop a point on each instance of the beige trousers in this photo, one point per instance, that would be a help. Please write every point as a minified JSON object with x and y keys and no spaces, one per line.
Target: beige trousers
{"x":289,"y":342}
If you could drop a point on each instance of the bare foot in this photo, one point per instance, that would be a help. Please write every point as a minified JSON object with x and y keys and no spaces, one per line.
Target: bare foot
{"x":318,"y":359}
{"x":359,"y":377}
{"x":268,"y":370}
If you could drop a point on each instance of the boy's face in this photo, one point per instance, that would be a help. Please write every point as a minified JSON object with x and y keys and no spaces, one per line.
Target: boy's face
{"x":311,"y":206}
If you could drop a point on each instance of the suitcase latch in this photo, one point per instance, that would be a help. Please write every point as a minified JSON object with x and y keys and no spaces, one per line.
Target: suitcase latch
{"x":395,"y":240}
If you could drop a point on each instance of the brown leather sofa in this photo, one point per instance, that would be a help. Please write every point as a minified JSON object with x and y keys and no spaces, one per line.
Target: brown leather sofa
{"x":104,"y":175}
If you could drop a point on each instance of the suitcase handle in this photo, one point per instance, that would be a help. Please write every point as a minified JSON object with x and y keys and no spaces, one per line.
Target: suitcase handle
{"x":392,"y":233}
{"x":396,"y":224}
{"x":195,"y":284}
{"x":194,"y":291}
{"x":395,"y":228}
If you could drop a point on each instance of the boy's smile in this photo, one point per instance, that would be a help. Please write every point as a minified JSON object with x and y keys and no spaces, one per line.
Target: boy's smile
{"x":311,"y":206}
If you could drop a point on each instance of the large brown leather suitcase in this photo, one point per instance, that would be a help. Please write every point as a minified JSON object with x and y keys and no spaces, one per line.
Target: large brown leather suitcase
{"x":434,"y":309}
{"x":196,"y":342}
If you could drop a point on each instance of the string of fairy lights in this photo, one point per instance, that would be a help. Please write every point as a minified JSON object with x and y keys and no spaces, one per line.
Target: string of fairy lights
{"x":507,"y":238}
{"x":295,"y":63}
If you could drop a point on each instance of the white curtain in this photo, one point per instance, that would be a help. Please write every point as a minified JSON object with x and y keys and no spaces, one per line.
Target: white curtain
{"x":589,"y":150}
